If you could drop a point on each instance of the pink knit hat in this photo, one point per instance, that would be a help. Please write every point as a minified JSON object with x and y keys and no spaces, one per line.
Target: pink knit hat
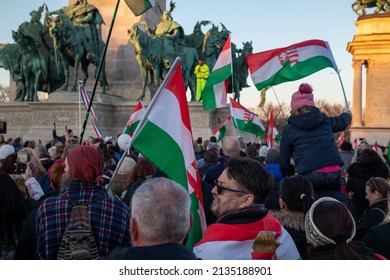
{"x":303,"y":96}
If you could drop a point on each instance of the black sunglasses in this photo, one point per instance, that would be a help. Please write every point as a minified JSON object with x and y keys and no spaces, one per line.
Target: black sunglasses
{"x":221,"y":188}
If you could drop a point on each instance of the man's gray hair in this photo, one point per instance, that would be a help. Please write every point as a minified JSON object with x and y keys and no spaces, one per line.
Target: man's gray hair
{"x":161,"y":208}
{"x":231,"y":147}
{"x":214,"y":146}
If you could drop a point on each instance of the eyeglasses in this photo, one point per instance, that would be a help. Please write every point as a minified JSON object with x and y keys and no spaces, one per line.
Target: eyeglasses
{"x":221,"y":188}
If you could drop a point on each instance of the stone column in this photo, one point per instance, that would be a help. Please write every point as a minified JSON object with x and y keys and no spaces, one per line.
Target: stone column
{"x":357,"y":94}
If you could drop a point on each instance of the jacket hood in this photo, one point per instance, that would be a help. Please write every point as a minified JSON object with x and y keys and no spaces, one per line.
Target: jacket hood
{"x":307,"y":121}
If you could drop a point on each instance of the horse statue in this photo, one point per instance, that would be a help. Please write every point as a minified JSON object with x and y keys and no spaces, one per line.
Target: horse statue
{"x":147,"y":54}
{"x":359,"y":7}
{"x":31,"y":67}
{"x":155,"y":58}
{"x":10,"y":56}
{"x":240,"y":69}
{"x":70,"y":50}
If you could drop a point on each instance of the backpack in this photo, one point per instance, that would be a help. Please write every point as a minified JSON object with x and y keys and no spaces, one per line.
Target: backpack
{"x":78,"y":242}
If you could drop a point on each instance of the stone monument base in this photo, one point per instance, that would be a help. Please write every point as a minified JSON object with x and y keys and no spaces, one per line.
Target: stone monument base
{"x":34,"y":120}
{"x":381,"y":135}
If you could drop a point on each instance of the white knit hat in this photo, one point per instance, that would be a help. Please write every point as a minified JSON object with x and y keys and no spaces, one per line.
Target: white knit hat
{"x":263,"y":151}
{"x":6,"y":150}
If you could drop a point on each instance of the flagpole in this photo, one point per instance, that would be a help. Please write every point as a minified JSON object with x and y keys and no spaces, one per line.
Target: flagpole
{"x":280,"y":106}
{"x":99,"y":71}
{"x":342,"y":86}
{"x":80,"y":83}
{"x":142,"y":121}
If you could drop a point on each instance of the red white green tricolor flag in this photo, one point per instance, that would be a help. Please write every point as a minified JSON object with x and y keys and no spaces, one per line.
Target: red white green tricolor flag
{"x":245,"y":120}
{"x":220,"y":131}
{"x":272,"y":133}
{"x":164,"y":136}
{"x":290,"y":63}
{"x":138,"y":7}
{"x":134,"y":119}
{"x":214,"y":94}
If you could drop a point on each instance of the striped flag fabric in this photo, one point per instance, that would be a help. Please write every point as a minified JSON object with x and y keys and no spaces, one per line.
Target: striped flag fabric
{"x":220,"y":131}
{"x":96,"y":129}
{"x":290,"y":63}
{"x":375,"y":147}
{"x":164,"y":136}
{"x":355,"y":144}
{"x":229,"y":242}
{"x":135,"y":117}
{"x":245,"y":120}
{"x":138,"y":7}
{"x":340,"y":140}
{"x":214,"y":94}
{"x":272,"y":133}
{"x":86,"y":100}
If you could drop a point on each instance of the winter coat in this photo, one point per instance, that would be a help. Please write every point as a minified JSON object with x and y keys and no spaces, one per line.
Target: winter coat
{"x":377,"y":238}
{"x":170,"y":251}
{"x":373,"y":216}
{"x":294,"y":223}
{"x":308,"y":139}
{"x":358,"y":175}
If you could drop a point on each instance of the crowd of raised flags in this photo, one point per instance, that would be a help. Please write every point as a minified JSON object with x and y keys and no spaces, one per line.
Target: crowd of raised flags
{"x":162,"y":132}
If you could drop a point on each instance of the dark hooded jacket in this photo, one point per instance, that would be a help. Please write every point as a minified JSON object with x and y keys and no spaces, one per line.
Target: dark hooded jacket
{"x":308,"y":139}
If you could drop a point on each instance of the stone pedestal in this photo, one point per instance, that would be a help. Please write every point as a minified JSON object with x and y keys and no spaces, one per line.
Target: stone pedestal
{"x":371,"y":48}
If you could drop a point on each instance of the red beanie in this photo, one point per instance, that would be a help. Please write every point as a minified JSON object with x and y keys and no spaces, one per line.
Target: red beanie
{"x":303,"y":96}
{"x":86,"y":164}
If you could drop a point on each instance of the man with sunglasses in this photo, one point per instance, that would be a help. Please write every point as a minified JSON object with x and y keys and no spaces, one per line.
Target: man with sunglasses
{"x":244,"y":229}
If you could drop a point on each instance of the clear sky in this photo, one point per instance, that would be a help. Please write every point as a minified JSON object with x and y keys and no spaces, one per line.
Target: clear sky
{"x":268,"y":24}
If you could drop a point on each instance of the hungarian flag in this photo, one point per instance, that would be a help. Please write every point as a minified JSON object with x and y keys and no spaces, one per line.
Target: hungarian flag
{"x":231,"y":242}
{"x":214,"y":94}
{"x":272,"y":133}
{"x":355,"y":144}
{"x":375,"y":147}
{"x":138,"y":7}
{"x":220,"y":131}
{"x":96,"y":129}
{"x":290,"y":63}
{"x":340,"y":140}
{"x":134,"y":119}
{"x":164,"y":136}
{"x":86,"y":100}
{"x":245,"y":120}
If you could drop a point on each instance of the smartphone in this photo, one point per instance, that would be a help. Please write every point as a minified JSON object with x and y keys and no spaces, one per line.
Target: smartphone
{"x":21,"y":167}
{"x":66,"y":129}
{"x":23,"y":156}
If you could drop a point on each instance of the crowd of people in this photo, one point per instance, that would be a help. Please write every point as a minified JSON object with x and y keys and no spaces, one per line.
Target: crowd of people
{"x":287,"y":202}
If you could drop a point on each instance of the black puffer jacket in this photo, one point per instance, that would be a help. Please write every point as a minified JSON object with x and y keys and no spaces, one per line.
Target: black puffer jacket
{"x":308,"y":139}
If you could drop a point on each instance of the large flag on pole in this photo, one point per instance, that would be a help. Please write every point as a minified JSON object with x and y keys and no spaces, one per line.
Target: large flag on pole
{"x":164,"y":136}
{"x":214,"y":94}
{"x":220,"y":131}
{"x":138,"y":7}
{"x":87,"y":100}
{"x":134,"y":119}
{"x":245,"y":120}
{"x":290,"y":63}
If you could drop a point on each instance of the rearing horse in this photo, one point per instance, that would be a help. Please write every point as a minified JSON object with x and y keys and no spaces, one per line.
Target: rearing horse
{"x":359,"y":7}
